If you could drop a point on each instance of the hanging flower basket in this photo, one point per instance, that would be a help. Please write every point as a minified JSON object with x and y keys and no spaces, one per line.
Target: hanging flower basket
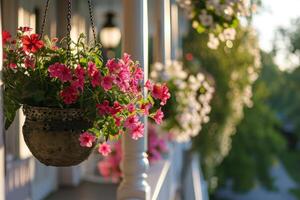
{"x":72,"y":101}
{"x":52,"y":135}
{"x":218,"y":18}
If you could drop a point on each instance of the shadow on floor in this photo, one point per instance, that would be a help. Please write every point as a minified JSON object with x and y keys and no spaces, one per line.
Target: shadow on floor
{"x":85,"y":191}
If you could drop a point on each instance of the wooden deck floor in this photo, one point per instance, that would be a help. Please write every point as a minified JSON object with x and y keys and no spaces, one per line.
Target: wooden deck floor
{"x":85,"y":191}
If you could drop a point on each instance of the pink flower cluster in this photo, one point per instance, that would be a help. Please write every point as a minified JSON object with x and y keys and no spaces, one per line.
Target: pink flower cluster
{"x":109,"y":166}
{"x":123,"y":76}
{"x":87,"y":139}
{"x":75,"y":79}
{"x":110,"y":95}
{"x":157,"y":146}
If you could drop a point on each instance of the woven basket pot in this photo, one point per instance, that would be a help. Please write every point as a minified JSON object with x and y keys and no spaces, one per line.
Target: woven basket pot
{"x":52,"y":135}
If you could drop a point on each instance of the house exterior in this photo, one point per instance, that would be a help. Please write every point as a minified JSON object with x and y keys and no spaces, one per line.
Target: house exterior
{"x":23,"y":177}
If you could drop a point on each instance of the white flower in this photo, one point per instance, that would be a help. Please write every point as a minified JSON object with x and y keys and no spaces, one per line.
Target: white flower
{"x":213,"y":41}
{"x":229,"y":33}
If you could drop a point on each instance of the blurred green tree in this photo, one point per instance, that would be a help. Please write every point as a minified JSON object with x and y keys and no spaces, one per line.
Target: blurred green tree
{"x":257,"y":142}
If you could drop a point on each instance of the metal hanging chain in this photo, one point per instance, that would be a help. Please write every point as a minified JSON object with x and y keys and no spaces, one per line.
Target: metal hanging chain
{"x":44,"y":19}
{"x":69,"y":33}
{"x":92,"y":19}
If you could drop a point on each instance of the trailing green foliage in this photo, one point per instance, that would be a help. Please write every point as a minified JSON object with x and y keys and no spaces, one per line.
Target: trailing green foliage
{"x":234,"y":70}
{"x":256,"y":145}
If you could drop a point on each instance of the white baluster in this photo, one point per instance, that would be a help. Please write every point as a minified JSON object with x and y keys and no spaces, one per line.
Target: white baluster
{"x":162,"y":40}
{"x":135,"y":163}
{"x":2,"y":163}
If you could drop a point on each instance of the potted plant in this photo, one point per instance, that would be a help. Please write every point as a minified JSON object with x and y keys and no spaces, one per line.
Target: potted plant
{"x":189,"y":106}
{"x":218,"y":18}
{"x":71,"y":100}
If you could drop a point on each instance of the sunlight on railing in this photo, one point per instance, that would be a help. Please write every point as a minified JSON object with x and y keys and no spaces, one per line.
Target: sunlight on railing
{"x":18,"y":178}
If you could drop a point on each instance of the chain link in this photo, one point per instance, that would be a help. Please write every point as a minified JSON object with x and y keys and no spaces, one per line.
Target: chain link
{"x":92,"y":20}
{"x":44,"y":19}
{"x":69,"y":15}
{"x":69,"y":33}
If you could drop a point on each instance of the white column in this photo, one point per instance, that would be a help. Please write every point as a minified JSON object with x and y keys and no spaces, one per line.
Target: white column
{"x":2,"y":158}
{"x":135,"y":163}
{"x":162,"y":40}
{"x":175,"y":50}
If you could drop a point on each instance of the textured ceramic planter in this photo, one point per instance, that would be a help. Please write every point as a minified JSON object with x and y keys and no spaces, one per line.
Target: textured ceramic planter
{"x":52,"y":135}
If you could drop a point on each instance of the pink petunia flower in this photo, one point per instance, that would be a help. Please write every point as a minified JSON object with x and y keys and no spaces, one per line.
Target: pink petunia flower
{"x":113,"y":65}
{"x":107,"y":82}
{"x":138,"y":73}
{"x":131,"y":107}
{"x":104,"y":108}
{"x":126,"y":59}
{"x":138,"y":131}
{"x":118,"y":120}
{"x":79,"y":81}
{"x":158,"y":116}
{"x":94,"y":74}
{"x":149,"y":85}
{"x":145,"y":107}
{"x":86,"y":139}
{"x":79,"y":72}
{"x":117,"y":107}
{"x":161,"y":92}
{"x":69,"y":95}
{"x":60,"y":71}
{"x":104,"y":149}
{"x":131,"y":122}
{"x":104,"y":167}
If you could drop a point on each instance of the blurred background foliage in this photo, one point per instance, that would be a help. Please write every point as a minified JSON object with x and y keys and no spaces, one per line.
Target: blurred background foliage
{"x":242,"y":141}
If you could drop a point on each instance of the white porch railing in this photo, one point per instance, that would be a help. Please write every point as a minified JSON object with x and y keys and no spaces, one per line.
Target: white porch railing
{"x":193,"y":177}
{"x":177,"y":177}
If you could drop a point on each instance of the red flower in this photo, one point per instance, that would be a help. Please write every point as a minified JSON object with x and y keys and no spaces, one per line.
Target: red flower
{"x":32,"y":43}
{"x":69,"y":95}
{"x":118,"y":120}
{"x":117,"y":107}
{"x":5,"y":37}
{"x":12,"y":65}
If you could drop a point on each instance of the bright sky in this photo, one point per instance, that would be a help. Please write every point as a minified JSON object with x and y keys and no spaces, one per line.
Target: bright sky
{"x":276,"y":13}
